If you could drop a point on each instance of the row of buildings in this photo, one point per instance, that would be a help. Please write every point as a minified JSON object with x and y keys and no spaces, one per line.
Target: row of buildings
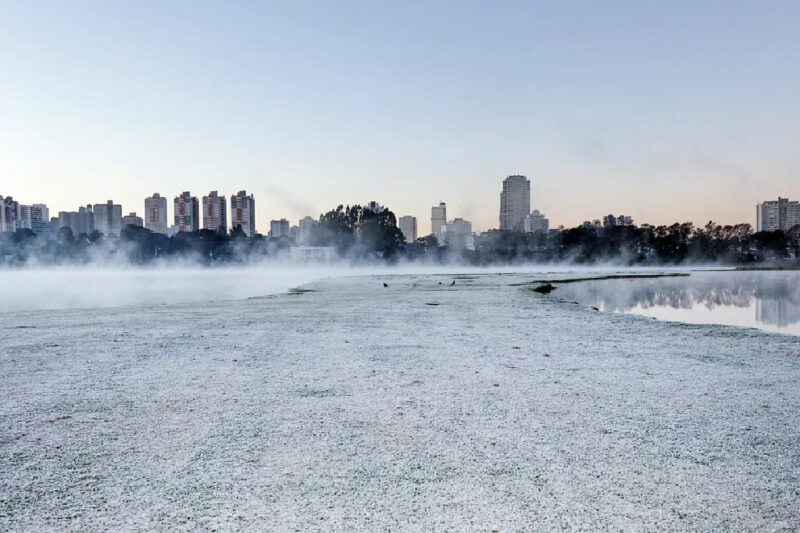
{"x":108,"y":219}
{"x":214,"y":212}
{"x":188,"y":217}
{"x":515,"y":215}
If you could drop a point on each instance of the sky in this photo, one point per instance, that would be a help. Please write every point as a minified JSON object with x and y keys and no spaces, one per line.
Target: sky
{"x":664,"y":111}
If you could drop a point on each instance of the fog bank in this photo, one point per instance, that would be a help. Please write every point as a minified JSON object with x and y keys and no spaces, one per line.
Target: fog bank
{"x":82,"y":287}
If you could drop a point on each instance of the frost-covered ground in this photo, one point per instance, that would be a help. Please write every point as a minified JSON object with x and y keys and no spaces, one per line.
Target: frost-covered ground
{"x":420,"y":406}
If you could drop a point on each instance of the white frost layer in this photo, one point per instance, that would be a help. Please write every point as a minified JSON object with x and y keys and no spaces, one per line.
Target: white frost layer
{"x":362,"y":407}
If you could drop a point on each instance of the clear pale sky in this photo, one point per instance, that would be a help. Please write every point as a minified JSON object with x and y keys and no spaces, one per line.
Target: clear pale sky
{"x":665,"y":111}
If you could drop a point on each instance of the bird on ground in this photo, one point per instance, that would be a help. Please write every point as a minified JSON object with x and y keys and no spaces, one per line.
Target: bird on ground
{"x":454,"y":282}
{"x":385,"y":284}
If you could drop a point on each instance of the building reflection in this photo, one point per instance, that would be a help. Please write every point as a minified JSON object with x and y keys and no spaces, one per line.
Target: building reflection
{"x":774,"y":296}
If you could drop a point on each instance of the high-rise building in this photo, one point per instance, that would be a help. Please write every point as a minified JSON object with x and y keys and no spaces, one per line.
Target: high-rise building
{"x":438,"y":218}
{"x":536,"y":221}
{"x":408,"y":225}
{"x":108,"y":218}
{"x":80,"y":221}
{"x":243,"y":213}
{"x":515,"y":203}
{"x":278,"y":228}
{"x":9,"y":214}
{"x":457,"y":234}
{"x":155,"y":213}
{"x":306,"y":227}
{"x":215,"y":213}
{"x":40,"y":212}
{"x":132,"y":220}
{"x":780,"y":214}
{"x":24,"y":217}
{"x":375,"y":207}
{"x":40,"y":221}
{"x":187,"y":213}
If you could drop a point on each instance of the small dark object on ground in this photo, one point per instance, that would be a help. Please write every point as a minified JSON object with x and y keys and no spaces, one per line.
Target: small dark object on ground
{"x":431,"y":303}
{"x":385,"y":284}
{"x":595,"y":308}
{"x":454,"y":282}
{"x":546,"y":288}
{"x":297,"y":290}
{"x":547,"y":355}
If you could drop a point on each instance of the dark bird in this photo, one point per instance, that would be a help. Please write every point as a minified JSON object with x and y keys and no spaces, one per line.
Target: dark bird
{"x":385,"y":284}
{"x":454,"y":282}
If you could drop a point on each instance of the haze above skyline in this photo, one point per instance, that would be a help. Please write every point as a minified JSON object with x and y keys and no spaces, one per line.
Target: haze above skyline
{"x":664,"y":112}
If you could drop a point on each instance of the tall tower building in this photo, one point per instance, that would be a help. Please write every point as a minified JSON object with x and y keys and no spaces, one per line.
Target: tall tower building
{"x":305,"y":229}
{"x":155,"y":213}
{"x":187,"y":213}
{"x":279,"y":228}
{"x":438,"y":218}
{"x":9,"y":214}
{"x":515,"y":203}
{"x":24,"y":217}
{"x":408,"y":225}
{"x":215,"y":213}
{"x":780,"y":214}
{"x":108,"y":218}
{"x":243,"y":212}
{"x":132,"y":220}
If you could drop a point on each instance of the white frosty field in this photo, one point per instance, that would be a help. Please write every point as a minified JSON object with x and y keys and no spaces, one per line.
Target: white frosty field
{"x":421,"y":406}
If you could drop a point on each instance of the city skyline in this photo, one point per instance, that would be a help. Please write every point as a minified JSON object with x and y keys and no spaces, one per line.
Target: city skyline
{"x":645,"y":114}
{"x":516,"y":214}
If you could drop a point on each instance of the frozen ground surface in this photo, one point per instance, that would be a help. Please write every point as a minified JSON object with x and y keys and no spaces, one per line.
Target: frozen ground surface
{"x":359,"y":407}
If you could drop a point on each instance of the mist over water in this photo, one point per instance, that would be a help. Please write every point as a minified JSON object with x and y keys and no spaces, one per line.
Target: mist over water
{"x":82,"y":287}
{"x":29,"y":289}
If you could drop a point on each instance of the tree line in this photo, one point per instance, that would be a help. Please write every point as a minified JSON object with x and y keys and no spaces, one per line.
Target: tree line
{"x":359,"y":234}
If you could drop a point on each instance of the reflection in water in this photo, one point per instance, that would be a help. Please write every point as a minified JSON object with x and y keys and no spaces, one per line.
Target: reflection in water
{"x":767,"y":300}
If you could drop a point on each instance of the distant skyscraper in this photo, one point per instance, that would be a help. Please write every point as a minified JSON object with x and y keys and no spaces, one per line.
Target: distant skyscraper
{"x":108,"y":218}
{"x":278,"y":228}
{"x":24,"y":218}
{"x":457,"y":234}
{"x":40,"y":212}
{"x":41,"y":224}
{"x":438,"y":218}
{"x":536,"y":221}
{"x":243,"y":213}
{"x":515,"y":203}
{"x":9,"y":214}
{"x":780,"y":214}
{"x":187,"y":213}
{"x":306,"y":227}
{"x":408,"y":225}
{"x":155,"y":213}
{"x":80,"y":221}
{"x":215,"y":213}
{"x":132,"y":220}
{"x":375,"y":207}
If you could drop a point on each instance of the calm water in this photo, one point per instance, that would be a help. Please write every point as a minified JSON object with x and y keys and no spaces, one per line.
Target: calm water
{"x":764,"y":300}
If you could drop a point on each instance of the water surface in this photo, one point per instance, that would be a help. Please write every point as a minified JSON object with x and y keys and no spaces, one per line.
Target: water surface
{"x":768,"y":300}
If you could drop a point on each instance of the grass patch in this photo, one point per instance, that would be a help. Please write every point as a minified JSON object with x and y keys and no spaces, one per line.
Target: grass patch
{"x":298,"y":290}
{"x":600,"y":278}
{"x":545,"y":288}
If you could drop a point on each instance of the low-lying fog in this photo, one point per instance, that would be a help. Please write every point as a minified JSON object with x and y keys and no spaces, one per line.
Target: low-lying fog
{"x":81,"y":287}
